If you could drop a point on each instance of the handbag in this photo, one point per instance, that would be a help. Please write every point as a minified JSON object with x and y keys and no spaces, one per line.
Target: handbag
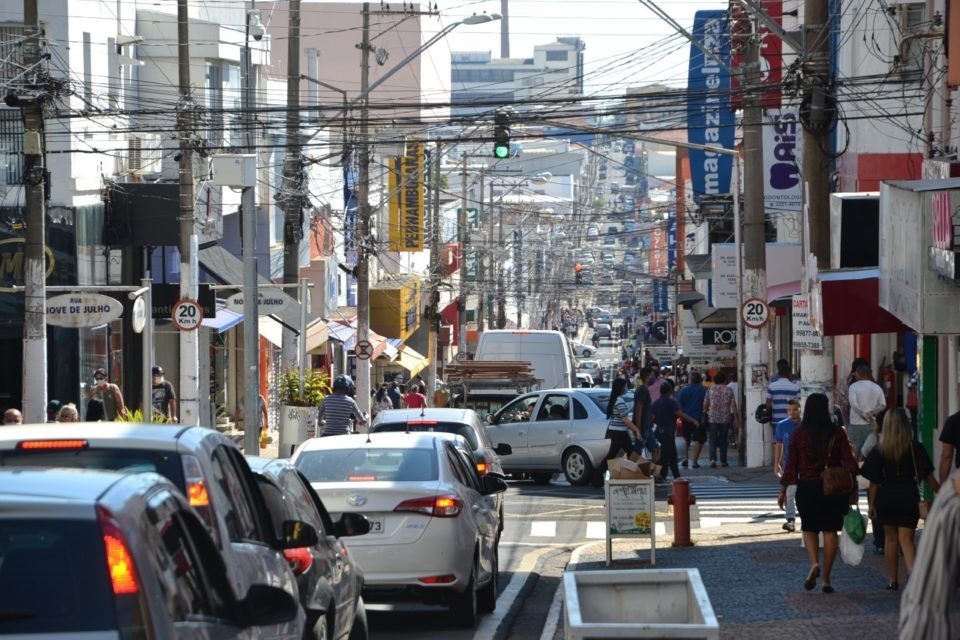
{"x":924,"y":505}
{"x":838,"y":480}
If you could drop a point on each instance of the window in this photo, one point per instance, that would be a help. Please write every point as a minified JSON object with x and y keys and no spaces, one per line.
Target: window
{"x":912,"y":24}
{"x":519,"y":410}
{"x":369,"y":465}
{"x":232,"y":499}
{"x":555,"y":407}
{"x":11,"y":146}
{"x":557,"y":55}
{"x":579,"y":411}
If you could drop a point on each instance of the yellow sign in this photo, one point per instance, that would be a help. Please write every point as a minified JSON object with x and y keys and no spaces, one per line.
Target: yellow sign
{"x":406,"y":200}
{"x":11,"y":262}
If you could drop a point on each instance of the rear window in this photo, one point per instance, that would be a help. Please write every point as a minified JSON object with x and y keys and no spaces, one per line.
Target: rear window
{"x":53,"y":577}
{"x":165,"y":463}
{"x":369,"y":465}
{"x":456,"y":428}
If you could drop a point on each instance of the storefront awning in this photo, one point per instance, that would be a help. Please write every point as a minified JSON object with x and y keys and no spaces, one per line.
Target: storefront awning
{"x":347,"y":334}
{"x":271,"y":330}
{"x":851,"y":304}
{"x":317,"y":334}
{"x":687,"y":299}
{"x":700,"y":265}
{"x":411,"y":360}
{"x":225,"y":319}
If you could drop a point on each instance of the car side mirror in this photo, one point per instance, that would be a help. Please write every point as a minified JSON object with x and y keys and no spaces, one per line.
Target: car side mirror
{"x":351,"y":524}
{"x":493,"y":483}
{"x":490,"y":418}
{"x":266,"y":605}
{"x":296,"y":534}
{"x":503,"y":449}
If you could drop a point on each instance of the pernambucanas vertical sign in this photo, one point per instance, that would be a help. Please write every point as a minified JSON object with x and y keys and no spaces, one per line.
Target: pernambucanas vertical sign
{"x":406,"y":200}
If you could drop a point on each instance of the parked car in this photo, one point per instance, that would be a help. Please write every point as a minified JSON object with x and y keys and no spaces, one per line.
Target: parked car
{"x":607,"y":279}
{"x":603,"y":329}
{"x":550,"y":431}
{"x":328,"y":578}
{"x":94,"y":554}
{"x":205,"y":465}
{"x":593,"y":367}
{"x":582,"y":350}
{"x":585,"y":380}
{"x":434,"y":529}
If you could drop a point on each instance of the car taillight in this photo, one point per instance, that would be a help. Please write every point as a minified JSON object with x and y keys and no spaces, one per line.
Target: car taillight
{"x":300,"y":559}
{"x":421,"y":423}
{"x":366,"y":478}
{"x":47,"y":445}
{"x":132,"y":612}
{"x":437,"y":506}
{"x":447,"y":579}
{"x":483,"y":468}
{"x":196,"y":490}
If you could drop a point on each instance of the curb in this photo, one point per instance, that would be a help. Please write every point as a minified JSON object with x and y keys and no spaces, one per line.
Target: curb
{"x":519,"y":588}
{"x":552,"y":622}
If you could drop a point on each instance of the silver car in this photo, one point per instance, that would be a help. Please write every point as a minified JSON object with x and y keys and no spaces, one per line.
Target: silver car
{"x":550,"y":431}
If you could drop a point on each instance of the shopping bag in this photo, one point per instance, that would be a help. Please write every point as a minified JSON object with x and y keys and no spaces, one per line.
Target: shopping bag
{"x":850,"y":551}
{"x":855,"y":525}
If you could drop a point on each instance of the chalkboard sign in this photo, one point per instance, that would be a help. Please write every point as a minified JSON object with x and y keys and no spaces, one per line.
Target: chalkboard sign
{"x":630,"y":512}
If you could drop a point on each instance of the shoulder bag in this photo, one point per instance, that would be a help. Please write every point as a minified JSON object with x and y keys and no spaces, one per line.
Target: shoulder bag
{"x":924,"y":505}
{"x":837,"y":480}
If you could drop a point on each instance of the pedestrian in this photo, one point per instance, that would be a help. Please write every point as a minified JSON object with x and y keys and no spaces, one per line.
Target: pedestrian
{"x":12,"y":416}
{"x":691,"y":399}
{"x":868,"y":445}
{"x":816,"y":445}
{"x":338,"y":408}
{"x":653,"y":384}
{"x":415,"y":398}
{"x":781,"y":389}
{"x":619,"y":426}
{"x":396,"y":394}
{"x":596,"y":340}
{"x":53,"y":408}
{"x":381,"y":401}
{"x":107,"y":393}
{"x":163,"y":397}
{"x":720,"y":407}
{"x":94,"y":411}
{"x":866,"y":400}
{"x":643,"y":416}
{"x":68,"y":413}
{"x":950,"y":446}
{"x":665,"y":411}
{"x":895,"y":468}
{"x":781,"y":438}
{"x":263,"y":422}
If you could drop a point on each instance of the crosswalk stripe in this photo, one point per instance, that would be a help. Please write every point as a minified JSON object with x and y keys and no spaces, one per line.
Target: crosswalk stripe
{"x":543,"y":528}
{"x":597,"y":530}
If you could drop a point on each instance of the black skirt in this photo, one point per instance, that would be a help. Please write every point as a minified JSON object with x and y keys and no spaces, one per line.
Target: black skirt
{"x":897,"y":505}
{"x":817,"y":511}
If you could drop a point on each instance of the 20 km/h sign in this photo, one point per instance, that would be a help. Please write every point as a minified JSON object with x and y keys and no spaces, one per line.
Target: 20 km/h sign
{"x":755,"y":313}
{"x":187,"y":315}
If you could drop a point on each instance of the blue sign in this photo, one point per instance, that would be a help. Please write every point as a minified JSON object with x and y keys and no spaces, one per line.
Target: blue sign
{"x":661,"y":295}
{"x":672,"y":243}
{"x":710,"y":118}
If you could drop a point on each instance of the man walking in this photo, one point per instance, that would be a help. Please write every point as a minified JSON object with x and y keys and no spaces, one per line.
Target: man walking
{"x":691,"y":399}
{"x":866,"y":400}
{"x":779,"y":391}
{"x":665,"y":411}
{"x":163,"y":398}
{"x":782,"y":435}
{"x":643,"y":416}
{"x":107,"y":393}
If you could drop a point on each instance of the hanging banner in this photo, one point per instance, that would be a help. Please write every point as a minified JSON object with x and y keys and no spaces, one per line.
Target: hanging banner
{"x":661,"y":295}
{"x":771,"y":52}
{"x":658,"y":262}
{"x":411,"y":201}
{"x":781,"y":174}
{"x":710,"y":120}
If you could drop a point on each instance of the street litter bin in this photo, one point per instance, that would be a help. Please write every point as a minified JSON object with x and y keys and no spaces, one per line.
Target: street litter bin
{"x":640,"y":603}
{"x":297,"y":425}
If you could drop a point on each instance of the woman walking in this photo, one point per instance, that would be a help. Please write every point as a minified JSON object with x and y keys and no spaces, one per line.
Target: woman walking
{"x":894,"y":468}
{"x":618,"y":428}
{"x":816,"y":445}
{"x":382,"y":401}
{"x":720,"y":406}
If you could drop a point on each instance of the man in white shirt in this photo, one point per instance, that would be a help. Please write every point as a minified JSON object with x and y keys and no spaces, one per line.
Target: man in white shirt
{"x":866,"y":400}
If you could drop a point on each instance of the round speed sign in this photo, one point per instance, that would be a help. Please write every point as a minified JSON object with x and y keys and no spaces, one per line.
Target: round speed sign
{"x":755,"y":313}
{"x":187,"y":315}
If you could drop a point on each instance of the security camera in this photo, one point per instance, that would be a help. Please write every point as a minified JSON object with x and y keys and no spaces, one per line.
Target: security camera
{"x":255,"y":27}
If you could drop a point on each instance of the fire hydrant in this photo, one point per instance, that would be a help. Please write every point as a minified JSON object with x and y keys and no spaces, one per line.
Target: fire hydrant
{"x":681,"y":501}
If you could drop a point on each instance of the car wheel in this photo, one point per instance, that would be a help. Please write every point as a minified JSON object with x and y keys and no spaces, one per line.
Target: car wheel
{"x":463,"y":606}
{"x":541,"y":478}
{"x":577,"y":467}
{"x":487,"y":596}
{"x":587,"y":353}
{"x":359,"y":631}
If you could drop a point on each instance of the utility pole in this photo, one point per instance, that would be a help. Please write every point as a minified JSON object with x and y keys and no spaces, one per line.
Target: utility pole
{"x":482,"y":308}
{"x":189,"y":271}
{"x":363,"y":218}
{"x":491,"y":268}
{"x":292,"y":178}
{"x":34,"y":279}
{"x":251,"y":302}
{"x":464,"y":238}
{"x":816,"y":367}
{"x":759,"y":443}
{"x":433,"y":304}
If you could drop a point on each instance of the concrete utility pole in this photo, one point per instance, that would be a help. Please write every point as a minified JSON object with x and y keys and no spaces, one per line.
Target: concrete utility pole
{"x":292,"y":178}
{"x":759,"y":450}
{"x":189,"y":270}
{"x":505,"y":28}
{"x":363,"y":218}
{"x":816,"y":367}
{"x":34,"y":279}
{"x":491,"y":286}
{"x":251,"y":302}
{"x":433,"y":298}
{"x":464,"y":238}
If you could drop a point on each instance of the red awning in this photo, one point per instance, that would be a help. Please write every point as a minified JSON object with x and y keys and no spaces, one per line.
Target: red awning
{"x":851,"y":304}
{"x":451,"y":315}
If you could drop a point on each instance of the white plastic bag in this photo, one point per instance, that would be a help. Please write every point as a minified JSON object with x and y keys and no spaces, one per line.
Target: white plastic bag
{"x":850,"y":551}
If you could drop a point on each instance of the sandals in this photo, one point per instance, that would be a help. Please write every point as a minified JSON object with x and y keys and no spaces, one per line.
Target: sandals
{"x":811,"y":580}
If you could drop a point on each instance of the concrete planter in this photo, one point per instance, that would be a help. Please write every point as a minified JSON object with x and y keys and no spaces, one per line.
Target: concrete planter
{"x":643,"y":603}
{"x":297,"y":424}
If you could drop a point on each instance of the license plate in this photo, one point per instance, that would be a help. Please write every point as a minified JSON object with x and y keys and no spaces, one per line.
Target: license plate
{"x":376,"y":525}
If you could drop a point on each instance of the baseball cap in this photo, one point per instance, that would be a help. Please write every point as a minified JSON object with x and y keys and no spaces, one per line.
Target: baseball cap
{"x":53,"y":405}
{"x":158,"y":371}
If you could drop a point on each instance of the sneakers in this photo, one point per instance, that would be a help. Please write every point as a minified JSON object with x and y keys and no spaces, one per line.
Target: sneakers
{"x":684,"y":464}
{"x":789,"y":526}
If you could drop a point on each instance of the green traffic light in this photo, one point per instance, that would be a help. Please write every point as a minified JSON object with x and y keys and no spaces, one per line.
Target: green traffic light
{"x":501,"y":151}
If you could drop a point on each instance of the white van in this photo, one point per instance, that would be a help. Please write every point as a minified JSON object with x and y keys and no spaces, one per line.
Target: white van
{"x":549,"y":353}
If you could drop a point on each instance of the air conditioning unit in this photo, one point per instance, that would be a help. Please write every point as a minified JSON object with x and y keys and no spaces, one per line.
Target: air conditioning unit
{"x":143,"y":155}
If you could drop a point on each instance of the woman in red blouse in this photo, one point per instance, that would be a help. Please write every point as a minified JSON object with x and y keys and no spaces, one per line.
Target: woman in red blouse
{"x":818,"y":443}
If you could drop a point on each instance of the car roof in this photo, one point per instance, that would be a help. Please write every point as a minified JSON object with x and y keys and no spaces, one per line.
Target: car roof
{"x":389,"y":439}
{"x":131,"y":434}
{"x":465,"y":416}
{"x":86,"y":485}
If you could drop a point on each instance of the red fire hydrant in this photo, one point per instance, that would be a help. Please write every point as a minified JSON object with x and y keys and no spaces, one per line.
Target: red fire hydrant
{"x":681,"y":501}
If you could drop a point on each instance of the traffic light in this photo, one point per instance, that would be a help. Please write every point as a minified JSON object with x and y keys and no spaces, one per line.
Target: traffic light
{"x":501,"y":135}
{"x":578,"y":274}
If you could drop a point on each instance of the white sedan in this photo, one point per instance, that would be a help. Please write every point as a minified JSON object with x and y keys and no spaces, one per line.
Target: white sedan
{"x":434,"y":527}
{"x":583,"y":350}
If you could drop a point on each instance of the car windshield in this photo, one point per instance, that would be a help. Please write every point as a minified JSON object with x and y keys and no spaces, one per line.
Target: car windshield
{"x":165,"y":463}
{"x":369,"y":464}
{"x":434,"y":426}
{"x":53,"y":578}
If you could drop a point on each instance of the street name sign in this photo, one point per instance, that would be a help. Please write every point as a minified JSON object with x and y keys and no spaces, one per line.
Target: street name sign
{"x":139,"y":319}
{"x":268,"y":303}
{"x":187,"y":315}
{"x":77,"y":310}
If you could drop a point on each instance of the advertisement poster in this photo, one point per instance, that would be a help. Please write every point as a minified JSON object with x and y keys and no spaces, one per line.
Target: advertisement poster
{"x":630,"y":508}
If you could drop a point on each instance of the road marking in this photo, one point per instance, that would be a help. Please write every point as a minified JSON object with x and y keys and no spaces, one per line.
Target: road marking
{"x":543,"y":529}
{"x":489,"y":624}
{"x":597,"y":529}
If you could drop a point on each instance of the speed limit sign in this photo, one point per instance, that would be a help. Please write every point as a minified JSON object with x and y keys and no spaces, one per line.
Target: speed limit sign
{"x":755,"y":313}
{"x":187,"y":315}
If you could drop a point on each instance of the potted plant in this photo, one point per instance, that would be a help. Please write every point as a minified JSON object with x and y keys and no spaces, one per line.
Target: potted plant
{"x":298,"y":411}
